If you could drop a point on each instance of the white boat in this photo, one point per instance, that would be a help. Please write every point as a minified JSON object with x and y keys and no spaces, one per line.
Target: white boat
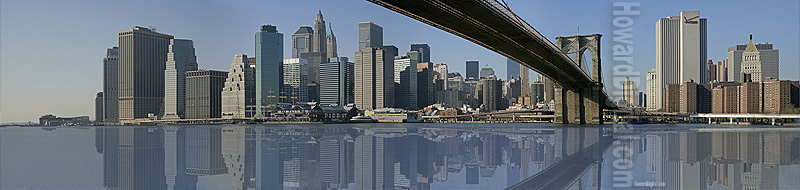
{"x":362,"y":119}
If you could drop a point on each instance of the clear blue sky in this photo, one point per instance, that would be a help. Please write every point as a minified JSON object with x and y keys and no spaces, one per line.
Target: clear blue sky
{"x":51,"y":50}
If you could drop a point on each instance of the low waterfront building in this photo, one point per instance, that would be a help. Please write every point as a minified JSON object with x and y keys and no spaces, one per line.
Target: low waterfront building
{"x":393,"y":115}
{"x":770,"y":96}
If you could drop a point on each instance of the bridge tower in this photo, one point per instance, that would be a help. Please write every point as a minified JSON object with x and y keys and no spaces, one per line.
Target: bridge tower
{"x":580,"y":103}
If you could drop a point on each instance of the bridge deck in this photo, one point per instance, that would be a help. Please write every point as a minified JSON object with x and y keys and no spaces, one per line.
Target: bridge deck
{"x":487,"y":23}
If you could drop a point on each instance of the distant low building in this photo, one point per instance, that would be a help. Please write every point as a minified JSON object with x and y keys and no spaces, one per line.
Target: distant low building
{"x":51,"y":120}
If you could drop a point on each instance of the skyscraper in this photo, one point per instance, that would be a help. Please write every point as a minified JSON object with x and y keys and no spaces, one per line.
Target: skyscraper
{"x":204,"y":93}
{"x":631,"y":93}
{"x":98,"y":107}
{"x":374,"y":74}
{"x":759,"y":64}
{"x":389,"y":52}
{"x":336,"y":81}
{"x":110,"y":84}
{"x":735,"y":55}
{"x":722,"y":70}
{"x":370,"y":35}
{"x":314,"y":60}
{"x":537,"y":90}
{"x":425,"y":86}
{"x":513,"y":69}
{"x":472,"y":70}
{"x":524,"y":79}
{"x":651,"y":98}
{"x":486,"y":71}
{"x":492,"y":93}
{"x":424,"y":49}
{"x":180,"y":59}
{"x":295,"y":79}
{"x":269,"y":66}
{"x":320,"y":43}
{"x":302,"y":41}
{"x":680,"y":50}
{"x":239,"y":94}
{"x":331,"y":43}
{"x":142,"y":58}
{"x":405,"y":76}
{"x":440,"y":72}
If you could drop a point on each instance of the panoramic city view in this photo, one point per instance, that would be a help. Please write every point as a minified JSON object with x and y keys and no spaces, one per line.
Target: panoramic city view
{"x":399,"y":94}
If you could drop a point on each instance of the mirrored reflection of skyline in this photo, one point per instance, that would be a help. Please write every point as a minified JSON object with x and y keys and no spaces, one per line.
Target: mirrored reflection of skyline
{"x":344,"y":157}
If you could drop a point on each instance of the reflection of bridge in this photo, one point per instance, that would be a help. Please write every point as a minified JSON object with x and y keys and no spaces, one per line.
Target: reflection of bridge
{"x":583,"y":150}
{"x":579,"y":97}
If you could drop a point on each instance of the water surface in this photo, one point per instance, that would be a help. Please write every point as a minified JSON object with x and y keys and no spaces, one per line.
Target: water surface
{"x":401,"y":156}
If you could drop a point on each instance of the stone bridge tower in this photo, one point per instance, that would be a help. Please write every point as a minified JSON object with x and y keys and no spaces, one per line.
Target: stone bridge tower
{"x":580,"y":103}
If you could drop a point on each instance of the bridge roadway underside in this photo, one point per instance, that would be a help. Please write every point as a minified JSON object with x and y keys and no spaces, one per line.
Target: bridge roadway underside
{"x":475,"y":22}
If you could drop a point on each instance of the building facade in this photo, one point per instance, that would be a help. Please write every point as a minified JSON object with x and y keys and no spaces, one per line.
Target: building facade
{"x":781,"y":96}
{"x":426,"y":91}
{"x":486,"y":71}
{"x":110,"y":84}
{"x":374,"y":75}
{"x":736,"y":55}
{"x":631,"y":93}
{"x":269,"y":66}
{"x":320,"y":41}
{"x":204,"y":93}
{"x":370,"y":35}
{"x":98,"y":107}
{"x":336,"y":81}
{"x":651,"y":98}
{"x":405,"y":79}
{"x":239,"y":93}
{"x":722,"y":71}
{"x":302,"y":41}
{"x":142,"y":58}
{"x":295,"y":81}
{"x":180,"y":58}
{"x":332,"y":49}
{"x":759,"y":64}
{"x":472,"y":70}
{"x":425,"y":51}
{"x":680,"y":50}
{"x":513,"y":69}
{"x":440,"y":72}
{"x":492,"y":93}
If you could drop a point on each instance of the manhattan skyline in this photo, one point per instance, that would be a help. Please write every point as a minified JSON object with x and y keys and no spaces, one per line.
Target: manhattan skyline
{"x":51,"y":56}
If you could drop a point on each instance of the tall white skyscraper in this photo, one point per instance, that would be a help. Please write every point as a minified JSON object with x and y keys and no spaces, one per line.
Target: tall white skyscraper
{"x":680,"y":50}
{"x":180,"y":59}
{"x":652,"y":101}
